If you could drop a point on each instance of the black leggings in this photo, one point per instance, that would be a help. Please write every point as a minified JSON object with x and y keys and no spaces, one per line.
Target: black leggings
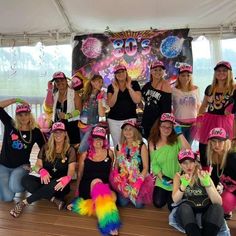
{"x":212,"y":219}
{"x":42,"y":191}
{"x":161,"y":197}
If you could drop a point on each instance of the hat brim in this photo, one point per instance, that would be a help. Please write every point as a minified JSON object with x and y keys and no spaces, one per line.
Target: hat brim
{"x":98,"y":136}
{"x":182,"y":71}
{"x":187,"y":158}
{"x":58,"y":130}
{"x":222,"y":65}
{"x":134,"y":126}
{"x":219,"y":138}
{"x":163,"y":67}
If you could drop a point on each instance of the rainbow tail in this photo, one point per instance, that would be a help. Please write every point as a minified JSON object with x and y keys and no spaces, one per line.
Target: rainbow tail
{"x":105,"y":208}
{"x":83,"y":207}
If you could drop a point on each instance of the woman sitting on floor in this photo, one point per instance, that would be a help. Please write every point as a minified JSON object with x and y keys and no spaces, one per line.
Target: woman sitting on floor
{"x":56,"y":166}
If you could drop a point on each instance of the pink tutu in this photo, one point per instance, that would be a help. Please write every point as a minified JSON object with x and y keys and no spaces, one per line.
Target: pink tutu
{"x":205,"y":123}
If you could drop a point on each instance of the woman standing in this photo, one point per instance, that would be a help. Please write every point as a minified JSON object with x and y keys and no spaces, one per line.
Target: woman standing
{"x":65,"y":105}
{"x":157,"y":97}
{"x":95,"y":195}
{"x":165,"y":142}
{"x":20,"y":135}
{"x":194,"y":194}
{"x":122,"y":96}
{"x":186,"y":101}
{"x":56,"y":166}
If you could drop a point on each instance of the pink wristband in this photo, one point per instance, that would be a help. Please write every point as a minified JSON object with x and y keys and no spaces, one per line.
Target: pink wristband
{"x":43,"y":172}
{"x":65,"y":180}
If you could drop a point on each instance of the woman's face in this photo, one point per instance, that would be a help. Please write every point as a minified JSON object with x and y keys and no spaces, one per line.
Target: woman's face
{"x":128,"y":132}
{"x":23,"y":118}
{"x":157,"y":73}
{"x":217,"y":145}
{"x":97,"y":142}
{"x":166,"y":128}
{"x":121,"y":75}
{"x":188,"y":166}
{"x":59,"y":136}
{"x":221,"y":73}
{"x":184,"y":78}
{"x":61,"y":84}
{"x":97,"y":84}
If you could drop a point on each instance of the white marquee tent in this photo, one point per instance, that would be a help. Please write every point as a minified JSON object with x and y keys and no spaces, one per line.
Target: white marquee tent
{"x":25,"y":22}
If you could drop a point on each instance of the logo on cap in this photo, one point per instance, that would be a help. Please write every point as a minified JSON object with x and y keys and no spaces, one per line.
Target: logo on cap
{"x":158,"y":64}
{"x":119,"y":67}
{"x":99,"y":132}
{"x":185,"y":68}
{"x":186,"y":154}
{"x":23,"y":108}
{"x":167,"y":117}
{"x":58,"y":126}
{"x":58,"y":75}
{"x":218,"y":133}
{"x":131,"y":123}
{"x":223,"y":63}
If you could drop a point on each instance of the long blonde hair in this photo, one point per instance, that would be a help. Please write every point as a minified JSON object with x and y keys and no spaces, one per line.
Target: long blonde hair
{"x":32,"y":122}
{"x":213,"y":158}
{"x":51,"y":148}
{"x":137,"y":137}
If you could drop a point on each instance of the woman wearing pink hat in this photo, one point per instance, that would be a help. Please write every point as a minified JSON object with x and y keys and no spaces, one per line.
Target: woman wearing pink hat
{"x":185,"y":100}
{"x":94,"y":194}
{"x":222,"y":159}
{"x":197,"y":205}
{"x":20,"y":135}
{"x":123,"y":95}
{"x":165,"y":142}
{"x":156,"y":95}
{"x":217,"y":107}
{"x":55,"y":166}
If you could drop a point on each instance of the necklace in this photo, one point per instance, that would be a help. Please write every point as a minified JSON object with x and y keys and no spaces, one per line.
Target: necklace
{"x":221,"y":172}
{"x":54,"y":169}
{"x":24,"y":136}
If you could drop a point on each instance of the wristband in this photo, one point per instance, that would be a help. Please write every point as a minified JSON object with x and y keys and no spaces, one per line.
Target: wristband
{"x":19,"y":100}
{"x":206,"y":181}
{"x":185,"y":182}
{"x":178,"y":130}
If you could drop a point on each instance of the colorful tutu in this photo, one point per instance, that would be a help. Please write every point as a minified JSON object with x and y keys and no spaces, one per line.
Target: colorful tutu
{"x":205,"y":123}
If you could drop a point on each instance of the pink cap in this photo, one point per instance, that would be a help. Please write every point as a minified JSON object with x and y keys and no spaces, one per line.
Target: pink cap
{"x":218,"y":133}
{"x":158,"y":64}
{"x":99,"y":132}
{"x":167,"y":117}
{"x":186,"y":154}
{"x":58,"y":75}
{"x":23,"y":108}
{"x":186,"y":68}
{"x":77,"y":83}
{"x":131,"y":123}
{"x":58,"y":126}
{"x":224,"y":64}
{"x":119,"y":67}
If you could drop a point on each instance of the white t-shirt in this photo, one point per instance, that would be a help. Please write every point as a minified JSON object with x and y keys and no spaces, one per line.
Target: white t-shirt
{"x":185,"y":105}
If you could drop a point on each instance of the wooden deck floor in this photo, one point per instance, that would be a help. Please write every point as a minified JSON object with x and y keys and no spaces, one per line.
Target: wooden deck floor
{"x":43,"y":219}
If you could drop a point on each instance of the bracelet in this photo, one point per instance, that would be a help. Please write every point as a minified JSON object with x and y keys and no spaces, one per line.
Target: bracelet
{"x":181,"y":190}
{"x":19,"y":100}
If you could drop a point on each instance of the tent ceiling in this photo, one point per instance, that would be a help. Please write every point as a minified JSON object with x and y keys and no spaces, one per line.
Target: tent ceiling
{"x":54,"y":21}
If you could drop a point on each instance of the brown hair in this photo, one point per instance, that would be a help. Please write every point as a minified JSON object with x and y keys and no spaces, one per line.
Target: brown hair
{"x":190,"y":86}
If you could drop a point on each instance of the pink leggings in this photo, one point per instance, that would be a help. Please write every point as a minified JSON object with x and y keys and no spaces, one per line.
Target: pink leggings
{"x":229,"y":201}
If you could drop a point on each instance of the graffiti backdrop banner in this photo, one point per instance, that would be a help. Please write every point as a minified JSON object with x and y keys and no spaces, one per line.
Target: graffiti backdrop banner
{"x":99,"y":53}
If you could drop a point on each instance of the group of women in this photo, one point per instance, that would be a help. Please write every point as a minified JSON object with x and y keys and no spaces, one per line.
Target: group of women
{"x":165,"y":171}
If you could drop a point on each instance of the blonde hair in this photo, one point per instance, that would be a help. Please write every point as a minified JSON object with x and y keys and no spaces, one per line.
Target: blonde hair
{"x":137,"y":137}
{"x":190,"y":86}
{"x":32,"y":122}
{"x":212,"y":157}
{"x":89,"y":88}
{"x":51,"y":148}
{"x":229,"y":84}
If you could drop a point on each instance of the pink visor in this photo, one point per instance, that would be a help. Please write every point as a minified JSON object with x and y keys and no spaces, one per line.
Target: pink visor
{"x":77,"y":83}
{"x":158,"y":64}
{"x":218,"y":133}
{"x":167,"y":117}
{"x":99,"y":132}
{"x":119,"y":67}
{"x":58,"y":126}
{"x":23,"y":108}
{"x":131,"y":123}
{"x":224,"y":64}
{"x":186,"y":154}
{"x":186,"y":68}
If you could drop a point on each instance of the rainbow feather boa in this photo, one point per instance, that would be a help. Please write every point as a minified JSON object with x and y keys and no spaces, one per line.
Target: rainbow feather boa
{"x":83,"y":207}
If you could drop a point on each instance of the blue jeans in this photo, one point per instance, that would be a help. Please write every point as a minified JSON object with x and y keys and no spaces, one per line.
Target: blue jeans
{"x":122,"y":201}
{"x":10,"y":182}
{"x":83,"y":147}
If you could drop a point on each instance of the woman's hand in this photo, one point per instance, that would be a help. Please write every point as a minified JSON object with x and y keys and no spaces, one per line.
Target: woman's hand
{"x":204,"y":177}
{"x":62,"y":182}
{"x":128,"y":83}
{"x":115,"y":86}
{"x":44,"y":176}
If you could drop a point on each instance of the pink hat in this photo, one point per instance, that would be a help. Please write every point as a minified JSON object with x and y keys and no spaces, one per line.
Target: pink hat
{"x":186,"y":154}
{"x":186,"y":68}
{"x":158,"y":64}
{"x":218,"y":133}
{"x":131,"y":123}
{"x":58,"y":75}
{"x":99,"y":132}
{"x":224,"y":64}
{"x":167,"y":117}
{"x":23,"y":108}
{"x":58,"y":126}
{"x":77,"y":83}
{"x":119,"y":67}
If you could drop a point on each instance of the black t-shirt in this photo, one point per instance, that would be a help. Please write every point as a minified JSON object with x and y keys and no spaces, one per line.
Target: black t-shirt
{"x":124,"y":107}
{"x":59,"y":167}
{"x":15,"y":147}
{"x":230,"y":166}
{"x":218,"y":103}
